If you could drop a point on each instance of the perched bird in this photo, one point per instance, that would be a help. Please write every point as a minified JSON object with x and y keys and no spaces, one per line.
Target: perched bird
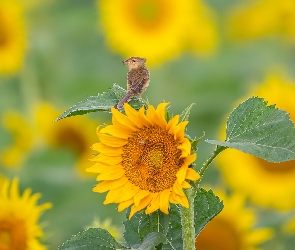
{"x":138,"y":79}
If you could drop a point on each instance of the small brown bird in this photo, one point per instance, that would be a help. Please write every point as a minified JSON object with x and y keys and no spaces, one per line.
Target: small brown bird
{"x":138,"y":79}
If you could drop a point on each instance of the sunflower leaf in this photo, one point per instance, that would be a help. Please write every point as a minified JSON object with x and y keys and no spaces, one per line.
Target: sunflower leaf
{"x":264,"y":131}
{"x":174,"y":234}
{"x":207,"y":206}
{"x":102,"y":102}
{"x":91,"y":239}
{"x":151,"y":241}
{"x":185,"y":113}
{"x":141,"y":224}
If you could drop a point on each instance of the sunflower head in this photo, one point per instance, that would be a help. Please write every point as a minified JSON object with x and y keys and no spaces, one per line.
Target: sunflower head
{"x":144,"y":160}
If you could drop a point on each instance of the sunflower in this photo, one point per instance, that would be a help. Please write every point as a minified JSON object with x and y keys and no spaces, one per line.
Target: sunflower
{"x":19,"y":215}
{"x":266,"y":184}
{"x":233,"y":228}
{"x":12,"y":36}
{"x":74,"y":134}
{"x":143,"y":160}
{"x":156,"y":29}
{"x":22,"y":135}
{"x":263,"y":18}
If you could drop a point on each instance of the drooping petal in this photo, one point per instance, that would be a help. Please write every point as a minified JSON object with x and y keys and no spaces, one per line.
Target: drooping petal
{"x":192,"y":175}
{"x":143,"y":203}
{"x":164,"y":200}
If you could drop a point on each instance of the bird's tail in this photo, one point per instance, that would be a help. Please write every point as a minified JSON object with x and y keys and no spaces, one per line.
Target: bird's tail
{"x":126,"y":98}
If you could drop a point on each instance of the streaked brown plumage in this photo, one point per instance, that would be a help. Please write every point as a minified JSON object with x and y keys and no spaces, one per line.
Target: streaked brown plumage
{"x":138,"y":79}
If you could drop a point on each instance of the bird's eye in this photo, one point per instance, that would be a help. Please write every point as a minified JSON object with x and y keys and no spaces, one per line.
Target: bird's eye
{"x":133,"y":60}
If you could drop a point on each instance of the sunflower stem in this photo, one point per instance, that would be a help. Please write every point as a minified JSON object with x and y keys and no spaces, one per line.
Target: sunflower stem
{"x":187,"y":221}
{"x":216,"y":152}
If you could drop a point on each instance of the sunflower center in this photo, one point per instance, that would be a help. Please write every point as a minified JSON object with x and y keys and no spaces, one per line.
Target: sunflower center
{"x":151,"y":159}
{"x":228,"y":237}
{"x":277,"y":168}
{"x":12,"y":234}
{"x":147,"y":13}
{"x":3,"y":33}
{"x":73,"y":139}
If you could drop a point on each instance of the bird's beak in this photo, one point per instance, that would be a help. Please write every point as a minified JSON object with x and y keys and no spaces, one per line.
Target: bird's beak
{"x":124,"y":61}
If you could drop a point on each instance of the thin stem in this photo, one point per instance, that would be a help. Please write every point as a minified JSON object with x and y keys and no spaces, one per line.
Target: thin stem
{"x":217,"y":150}
{"x":187,"y":221}
{"x":187,"y":214}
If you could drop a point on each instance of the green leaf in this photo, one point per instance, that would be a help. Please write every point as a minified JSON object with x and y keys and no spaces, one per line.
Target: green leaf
{"x":185,"y":113}
{"x":151,"y":241}
{"x":260,"y":130}
{"x":101,"y":102}
{"x":141,"y":224}
{"x":196,"y":141}
{"x":207,"y":206}
{"x":92,"y":239}
{"x":174,"y":234}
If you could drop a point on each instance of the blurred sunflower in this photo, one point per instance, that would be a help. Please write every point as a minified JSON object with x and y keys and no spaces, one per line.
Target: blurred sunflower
{"x":233,"y":228}
{"x":266,"y":184}
{"x":263,"y":18}
{"x":12,"y":36}
{"x":22,"y":139}
{"x":19,"y":215}
{"x":115,"y":231}
{"x":75,"y":134}
{"x":157,"y":29}
{"x":143,"y":160}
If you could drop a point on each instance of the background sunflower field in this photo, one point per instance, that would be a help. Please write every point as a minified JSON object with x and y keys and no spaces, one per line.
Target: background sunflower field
{"x":213,"y":53}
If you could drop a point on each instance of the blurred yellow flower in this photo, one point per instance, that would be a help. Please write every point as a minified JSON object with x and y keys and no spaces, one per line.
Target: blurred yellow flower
{"x":143,"y":160}
{"x":266,"y":184}
{"x":12,"y":36}
{"x":74,"y":133}
{"x":115,"y":231}
{"x":233,"y":228}
{"x":157,"y":29}
{"x":263,"y":18}
{"x":22,"y":135}
{"x":19,"y":215}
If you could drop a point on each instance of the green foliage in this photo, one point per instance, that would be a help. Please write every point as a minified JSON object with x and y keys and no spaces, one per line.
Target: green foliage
{"x":207,"y":206}
{"x":92,"y":239}
{"x":141,"y":225}
{"x":264,"y":131}
{"x":101,"y":102}
{"x":185,"y":113}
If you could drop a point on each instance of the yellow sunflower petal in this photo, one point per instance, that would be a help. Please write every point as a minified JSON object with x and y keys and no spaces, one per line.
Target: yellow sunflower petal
{"x":181,"y":174}
{"x":172,"y":123}
{"x":108,"y":160}
{"x":185,"y":184}
{"x":179,"y":135}
{"x":192,"y":175}
{"x":143,"y":203}
{"x":139,"y":196}
{"x":108,"y":151}
{"x":133,"y":115}
{"x":159,"y":115}
{"x":154,"y":204}
{"x":124,"y":205}
{"x":114,"y":131}
{"x":128,"y":194}
{"x":111,"y":174}
{"x":107,"y":185}
{"x":112,"y":141}
{"x":114,"y":194}
{"x":164,"y":201}
{"x":121,"y":120}
{"x":190,"y":159}
{"x":185,"y":148}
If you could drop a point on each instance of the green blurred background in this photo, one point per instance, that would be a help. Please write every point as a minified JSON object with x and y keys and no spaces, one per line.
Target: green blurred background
{"x":68,"y":58}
